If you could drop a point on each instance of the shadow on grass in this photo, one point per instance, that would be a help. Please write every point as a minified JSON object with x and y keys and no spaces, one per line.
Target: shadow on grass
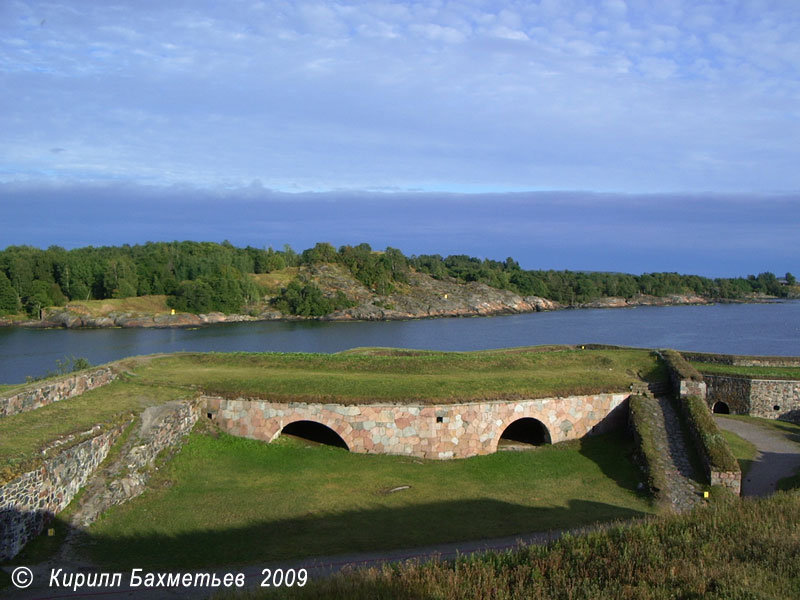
{"x":360,"y":531}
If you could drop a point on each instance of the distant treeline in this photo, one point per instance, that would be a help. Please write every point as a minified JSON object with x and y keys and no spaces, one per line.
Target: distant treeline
{"x":206,"y":276}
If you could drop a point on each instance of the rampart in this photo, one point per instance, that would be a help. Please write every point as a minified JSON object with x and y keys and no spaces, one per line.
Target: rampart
{"x":37,"y":395}
{"x":767,"y":398}
{"x":29,"y":502}
{"x":426,"y":431}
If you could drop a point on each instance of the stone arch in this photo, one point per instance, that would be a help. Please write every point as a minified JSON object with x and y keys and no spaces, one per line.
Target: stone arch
{"x":315,"y":432}
{"x":721,"y":408}
{"x":525,"y":431}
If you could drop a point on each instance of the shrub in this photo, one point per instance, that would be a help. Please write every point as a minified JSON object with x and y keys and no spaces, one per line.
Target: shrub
{"x":708,"y":436}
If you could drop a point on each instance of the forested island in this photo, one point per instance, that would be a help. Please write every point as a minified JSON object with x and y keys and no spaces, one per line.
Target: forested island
{"x":170,"y":283}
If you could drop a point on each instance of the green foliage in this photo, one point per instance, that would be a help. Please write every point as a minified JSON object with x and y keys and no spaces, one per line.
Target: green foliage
{"x":643,"y":415}
{"x":69,"y":364}
{"x":161,"y":267}
{"x":9,"y":301}
{"x":308,"y":300}
{"x":379,"y":271}
{"x":708,"y":435}
{"x":226,"y":293}
{"x":682,"y":368}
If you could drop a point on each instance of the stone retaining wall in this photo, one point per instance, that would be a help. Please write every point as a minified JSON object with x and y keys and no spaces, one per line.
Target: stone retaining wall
{"x":43,"y":394}
{"x":767,"y":398}
{"x":733,"y":391}
{"x":28,"y":502}
{"x":427,"y":431}
{"x":162,"y":428}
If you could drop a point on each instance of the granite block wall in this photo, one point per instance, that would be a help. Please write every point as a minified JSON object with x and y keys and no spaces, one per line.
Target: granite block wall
{"x":426,"y":431}
{"x":43,"y":394}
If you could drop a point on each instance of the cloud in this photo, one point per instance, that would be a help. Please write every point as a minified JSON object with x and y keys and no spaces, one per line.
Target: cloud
{"x":322,"y":95}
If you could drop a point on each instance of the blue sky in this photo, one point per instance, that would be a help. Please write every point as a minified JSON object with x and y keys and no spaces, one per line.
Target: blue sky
{"x":687,"y":106}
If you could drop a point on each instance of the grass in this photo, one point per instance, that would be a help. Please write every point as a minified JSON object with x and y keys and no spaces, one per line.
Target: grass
{"x":743,"y":451}
{"x":356,"y":376}
{"x":226,"y":500}
{"x":273,"y":282}
{"x":155,"y":304}
{"x":407,"y":376}
{"x":22,"y":436}
{"x":733,"y":548}
{"x":749,"y":372}
{"x":788,"y":430}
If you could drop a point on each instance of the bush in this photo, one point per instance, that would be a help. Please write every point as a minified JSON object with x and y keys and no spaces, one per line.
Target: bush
{"x":707,"y":434}
{"x":308,"y":300}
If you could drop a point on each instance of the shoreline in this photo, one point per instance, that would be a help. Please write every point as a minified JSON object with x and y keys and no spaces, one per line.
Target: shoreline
{"x":64,"y":319}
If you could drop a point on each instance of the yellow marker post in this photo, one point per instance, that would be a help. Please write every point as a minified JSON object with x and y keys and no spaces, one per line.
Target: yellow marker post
{"x":173,"y":311}
{"x":705,"y":495}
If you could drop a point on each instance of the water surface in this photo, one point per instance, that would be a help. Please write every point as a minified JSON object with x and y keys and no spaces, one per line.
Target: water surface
{"x":762,"y":329}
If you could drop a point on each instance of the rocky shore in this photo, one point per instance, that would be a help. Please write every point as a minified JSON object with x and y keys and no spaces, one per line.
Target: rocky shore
{"x":423,"y":297}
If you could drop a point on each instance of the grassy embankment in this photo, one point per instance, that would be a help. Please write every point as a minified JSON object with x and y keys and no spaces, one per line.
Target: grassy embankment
{"x":228,"y":500}
{"x":369,"y":375}
{"x":750,"y":372}
{"x":23,"y":436}
{"x":731,"y":549}
{"x":228,"y":490}
{"x":357,"y":376}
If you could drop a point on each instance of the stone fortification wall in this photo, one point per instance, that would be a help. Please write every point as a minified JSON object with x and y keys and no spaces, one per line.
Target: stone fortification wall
{"x":28,"y":502}
{"x":42,"y":394}
{"x":733,"y":391}
{"x":767,"y":398}
{"x":744,"y":361}
{"x":775,"y":399}
{"x":161,"y":428}
{"x":427,"y":431}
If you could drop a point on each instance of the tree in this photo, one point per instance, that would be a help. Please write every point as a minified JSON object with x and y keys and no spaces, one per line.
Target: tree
{"x":9,"y":301}
{"x":790,"y":279}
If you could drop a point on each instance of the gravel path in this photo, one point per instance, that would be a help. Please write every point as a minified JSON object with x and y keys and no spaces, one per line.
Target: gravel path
{"x":683,"y":490}
{"x":777,"y":457}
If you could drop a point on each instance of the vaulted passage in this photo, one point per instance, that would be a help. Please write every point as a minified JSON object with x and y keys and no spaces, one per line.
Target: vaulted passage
{"x":524,"y":432}
{"x":315,"y":432}
{"x":721,"y":408}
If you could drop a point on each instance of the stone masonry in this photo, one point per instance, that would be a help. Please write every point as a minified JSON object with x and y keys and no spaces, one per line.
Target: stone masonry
{"x":426,"y":431}
{"x":32,"y":398}
{"x":28,"y":502}
{"x":767,"y":398}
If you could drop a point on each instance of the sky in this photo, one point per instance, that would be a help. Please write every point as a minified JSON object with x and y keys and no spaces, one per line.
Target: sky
{"x":609,"y":135}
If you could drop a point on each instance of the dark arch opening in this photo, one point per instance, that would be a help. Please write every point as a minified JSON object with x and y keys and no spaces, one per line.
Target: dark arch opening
{"x":721,"y":408}
{"x":315,"y":432}
{"x":525,"y":432}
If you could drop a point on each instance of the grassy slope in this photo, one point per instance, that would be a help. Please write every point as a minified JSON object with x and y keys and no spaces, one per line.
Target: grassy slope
{"x":230,"y":500}
{"x":731,"y":549}
{"x":742,"y":450}
{"x":752,"y":372}
{"x":22,"y":435}
{"x":407,"y":376}
{"x":370,"y":375}
{"x":155,"y":305}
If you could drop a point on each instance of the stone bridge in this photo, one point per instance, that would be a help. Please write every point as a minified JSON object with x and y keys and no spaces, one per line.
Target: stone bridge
{"x":438,"y":431}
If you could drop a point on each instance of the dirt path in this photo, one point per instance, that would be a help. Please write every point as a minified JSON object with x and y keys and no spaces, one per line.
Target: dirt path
{"x":777,"y":457}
